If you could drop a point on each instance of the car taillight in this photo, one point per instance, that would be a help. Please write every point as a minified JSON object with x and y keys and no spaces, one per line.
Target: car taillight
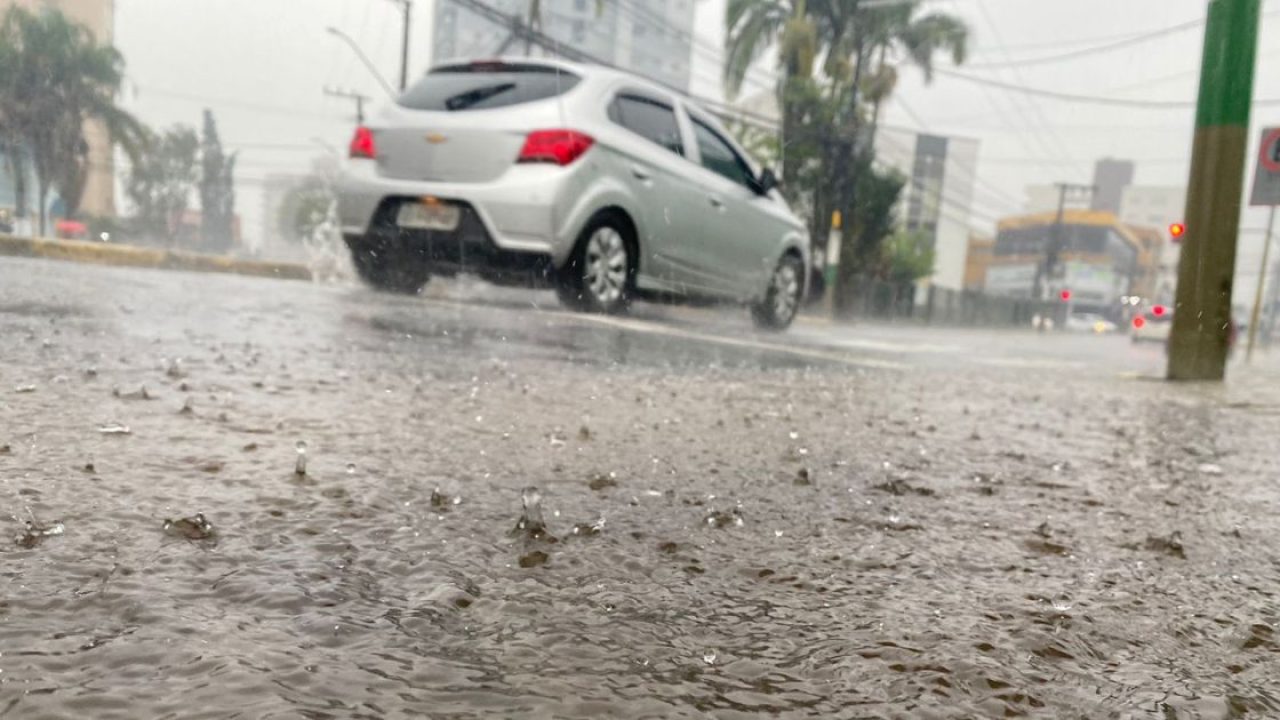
{"x":362,"y":144}
{"x":1139,"y":322}
{"x":1158,"y":311}
{"x":554,"y":146}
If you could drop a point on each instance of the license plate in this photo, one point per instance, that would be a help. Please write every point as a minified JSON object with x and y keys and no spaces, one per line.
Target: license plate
{"x":428,"y":216}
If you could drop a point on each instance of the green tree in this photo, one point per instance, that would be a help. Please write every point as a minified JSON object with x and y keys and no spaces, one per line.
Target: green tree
{"x":55,"y":78}
{"x":908,"y":257}
{"x":217,"y":190}
{"x":865,"y":38}
{"x":160,"y":184}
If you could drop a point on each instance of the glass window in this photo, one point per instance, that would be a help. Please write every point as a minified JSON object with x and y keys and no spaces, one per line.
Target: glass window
{"x":483,"y":86}
{"x":718,"y":156}
{"x":649,"y":119}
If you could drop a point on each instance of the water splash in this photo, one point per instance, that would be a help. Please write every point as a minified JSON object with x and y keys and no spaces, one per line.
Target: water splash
{"x":115,"y":429}
{"x":196,"y":527}
{"x":531,"y":525}
{"x":300,"y":465}
{"x":35,"y":533}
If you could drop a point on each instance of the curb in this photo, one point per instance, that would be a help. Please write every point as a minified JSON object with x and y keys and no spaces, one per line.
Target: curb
{"x":133,"y":256}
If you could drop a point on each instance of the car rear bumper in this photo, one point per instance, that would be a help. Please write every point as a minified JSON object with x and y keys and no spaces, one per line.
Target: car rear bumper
{"x":517,"y":212}
{"x":469,"y":247}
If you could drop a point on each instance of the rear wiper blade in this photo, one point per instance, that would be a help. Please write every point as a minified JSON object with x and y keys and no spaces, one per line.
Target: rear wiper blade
{"x":480,"y":94}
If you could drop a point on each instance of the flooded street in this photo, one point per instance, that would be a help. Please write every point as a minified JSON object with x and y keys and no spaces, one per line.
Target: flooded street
{"x":230,"y":497}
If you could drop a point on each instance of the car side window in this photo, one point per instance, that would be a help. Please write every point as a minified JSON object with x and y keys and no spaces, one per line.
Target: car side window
{"x":649,"y":119}
{"x":719,"y":157}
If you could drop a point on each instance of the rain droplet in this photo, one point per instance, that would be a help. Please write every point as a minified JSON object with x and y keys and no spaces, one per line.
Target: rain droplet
{"x":1061,"y":602}
{"x":709,"y":657}
{"x":300,"y":467}
{"x":351,"y":468}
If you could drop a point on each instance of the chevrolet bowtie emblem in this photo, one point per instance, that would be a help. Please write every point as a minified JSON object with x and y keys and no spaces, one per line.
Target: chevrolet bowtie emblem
{"x":435,"y":138}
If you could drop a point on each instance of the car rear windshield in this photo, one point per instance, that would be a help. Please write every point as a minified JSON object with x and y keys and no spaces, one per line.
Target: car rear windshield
{"x":484,"y":86}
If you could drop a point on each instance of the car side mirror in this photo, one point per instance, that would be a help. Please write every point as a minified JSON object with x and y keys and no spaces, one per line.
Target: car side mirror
{"x":767,"y":181}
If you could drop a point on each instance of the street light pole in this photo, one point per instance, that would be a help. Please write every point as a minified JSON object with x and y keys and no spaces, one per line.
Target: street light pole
{"x":406,"y":7}
{"x":373,"y":70}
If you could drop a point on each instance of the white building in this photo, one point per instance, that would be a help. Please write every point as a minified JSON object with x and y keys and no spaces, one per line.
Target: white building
{"x":653,"y":38}
{"x":938,"y":197}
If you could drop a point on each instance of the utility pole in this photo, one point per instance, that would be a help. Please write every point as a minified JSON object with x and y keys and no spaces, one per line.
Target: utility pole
{"x":1047,"y":269}
{"x":1202,"y":317}
{"x":352,"y":95}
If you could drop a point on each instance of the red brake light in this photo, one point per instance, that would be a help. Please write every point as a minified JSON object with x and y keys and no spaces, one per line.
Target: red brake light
{"x":1065,"y":295}
{"x":1158,"y":311}
{"x":362,"y":144}
{"x":554,"y":146}
{"x":1139,"y":322}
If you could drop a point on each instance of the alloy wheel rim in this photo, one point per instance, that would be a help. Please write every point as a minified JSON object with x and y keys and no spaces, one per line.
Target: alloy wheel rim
{"x":786,"y":291}
{"x":605,"y":274}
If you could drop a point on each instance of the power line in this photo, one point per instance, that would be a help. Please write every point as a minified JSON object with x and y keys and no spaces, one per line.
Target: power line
{"x":1086,"y":99}
{"x":1095,"y":50}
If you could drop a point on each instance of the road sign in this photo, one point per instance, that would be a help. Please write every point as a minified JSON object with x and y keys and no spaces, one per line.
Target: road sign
{"x":1266,"y":180}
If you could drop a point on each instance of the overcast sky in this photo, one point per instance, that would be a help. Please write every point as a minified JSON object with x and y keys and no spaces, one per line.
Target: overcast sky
{"x":261,"y":65}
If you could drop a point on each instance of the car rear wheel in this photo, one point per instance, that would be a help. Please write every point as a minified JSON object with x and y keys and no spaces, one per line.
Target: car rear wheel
{"x":391,"y":271}
{"x":781,"y":301}
{"x":600,"y":275}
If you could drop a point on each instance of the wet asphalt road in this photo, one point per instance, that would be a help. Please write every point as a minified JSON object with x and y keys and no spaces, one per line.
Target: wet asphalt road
{"x":836,"y":523}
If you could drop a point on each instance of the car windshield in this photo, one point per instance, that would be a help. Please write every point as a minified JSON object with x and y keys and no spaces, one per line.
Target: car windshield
{"x":485,"y":86}
{"x":639,"y":359}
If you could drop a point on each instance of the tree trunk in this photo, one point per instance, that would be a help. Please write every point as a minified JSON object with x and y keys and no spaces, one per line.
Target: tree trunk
{"x":847,"y":189}
{"x":43,"y":193}
{"x":17,"y":170}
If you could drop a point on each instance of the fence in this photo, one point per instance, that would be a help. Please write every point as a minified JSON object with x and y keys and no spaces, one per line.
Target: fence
{"x":882,"y":300}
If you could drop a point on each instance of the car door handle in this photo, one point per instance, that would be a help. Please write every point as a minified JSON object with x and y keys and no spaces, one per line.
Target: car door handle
{"x":716,"y":202}
{"x":640,"y":173}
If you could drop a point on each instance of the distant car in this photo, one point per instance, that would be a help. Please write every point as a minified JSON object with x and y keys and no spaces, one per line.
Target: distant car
{"x":600,"y":183}
{"x":1152,"y":325}
{"x":1089,"y":322}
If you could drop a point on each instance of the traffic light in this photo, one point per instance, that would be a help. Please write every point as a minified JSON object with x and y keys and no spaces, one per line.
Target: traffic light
{"x":1065,"y":295}
{"x":1177,"y":230}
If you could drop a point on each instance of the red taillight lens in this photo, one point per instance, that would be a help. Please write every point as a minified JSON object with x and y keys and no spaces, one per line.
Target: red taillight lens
{"x":1139,"y":322}
{"x":362,"y":144}
{"x":1158,"y":311}
{"x":554,"y":146}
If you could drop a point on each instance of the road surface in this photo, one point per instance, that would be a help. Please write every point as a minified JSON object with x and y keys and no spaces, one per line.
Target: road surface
{"x":838,"y":522}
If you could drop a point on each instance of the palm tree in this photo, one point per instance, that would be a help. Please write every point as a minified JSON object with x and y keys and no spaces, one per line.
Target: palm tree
{"x":57,"y":78}
{"x":866,"y":36}
{"x":754,"y":26}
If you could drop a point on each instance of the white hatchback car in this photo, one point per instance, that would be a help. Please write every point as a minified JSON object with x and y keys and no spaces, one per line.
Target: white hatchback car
{"x":603,"y":184}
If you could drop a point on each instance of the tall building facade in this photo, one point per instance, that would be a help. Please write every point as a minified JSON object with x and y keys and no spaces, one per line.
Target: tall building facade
{"x":1110,"y":178}
{"x":653,"y":38}
{"x":938,"y":195}
{"x":99,"y":191}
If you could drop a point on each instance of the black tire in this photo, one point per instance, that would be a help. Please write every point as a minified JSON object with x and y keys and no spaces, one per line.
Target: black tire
{"x":600,"y":275}
{"x":776,"y":311}
{"x":388,"y":270}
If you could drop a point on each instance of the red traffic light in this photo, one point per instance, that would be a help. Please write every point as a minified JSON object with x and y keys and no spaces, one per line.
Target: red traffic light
{"x":1065,"y":295}
{"x":1177,"y":230}
{"x":1139,"y":322}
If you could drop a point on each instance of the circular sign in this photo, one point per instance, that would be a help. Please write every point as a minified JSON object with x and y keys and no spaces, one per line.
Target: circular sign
{"x":1269,"y":153}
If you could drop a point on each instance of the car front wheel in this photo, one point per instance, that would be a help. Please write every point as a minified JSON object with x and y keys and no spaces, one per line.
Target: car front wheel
{"x":599,"y":274}
{"x":781,"y":301}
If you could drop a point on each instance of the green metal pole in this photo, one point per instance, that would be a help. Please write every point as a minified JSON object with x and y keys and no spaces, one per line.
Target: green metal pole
{"x":1202,"y":312}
